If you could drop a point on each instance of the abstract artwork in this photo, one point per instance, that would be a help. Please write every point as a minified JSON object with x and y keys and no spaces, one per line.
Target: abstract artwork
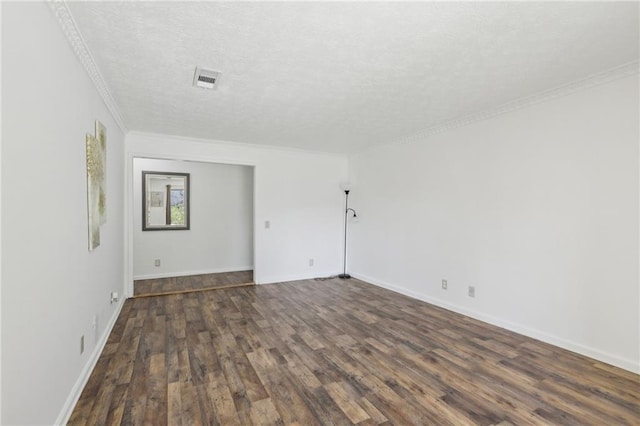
{"x":96,"y":147}
{"x":101,"y":136}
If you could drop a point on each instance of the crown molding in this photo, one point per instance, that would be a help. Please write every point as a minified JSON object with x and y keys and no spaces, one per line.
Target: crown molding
{"x":70,"y":29}
{"x":280,"y":148}
{"x":593,"y":80}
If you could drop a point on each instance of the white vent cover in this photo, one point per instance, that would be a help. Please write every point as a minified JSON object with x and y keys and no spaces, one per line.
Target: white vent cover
{"x":205,"y":79}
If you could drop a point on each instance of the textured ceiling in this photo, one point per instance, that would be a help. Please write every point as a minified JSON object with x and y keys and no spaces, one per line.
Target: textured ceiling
{"x":342,"y":77}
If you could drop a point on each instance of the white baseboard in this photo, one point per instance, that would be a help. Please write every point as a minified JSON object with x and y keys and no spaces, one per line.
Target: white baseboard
{"x":74,"y":395}
{"x":188,"y":273}
{"x":615,"y":360}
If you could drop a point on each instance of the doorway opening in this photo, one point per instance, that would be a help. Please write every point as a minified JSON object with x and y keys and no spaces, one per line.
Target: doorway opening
{"x":216,"y":250}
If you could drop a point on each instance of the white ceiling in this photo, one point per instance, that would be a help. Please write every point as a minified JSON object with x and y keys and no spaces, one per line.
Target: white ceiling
{"x":342,"y":77}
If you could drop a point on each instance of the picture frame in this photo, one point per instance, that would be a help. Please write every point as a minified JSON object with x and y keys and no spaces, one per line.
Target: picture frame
{"x":165,"y":201}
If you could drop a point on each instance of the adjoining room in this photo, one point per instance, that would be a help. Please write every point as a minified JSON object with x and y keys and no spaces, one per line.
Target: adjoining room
{"x":217,"y":205}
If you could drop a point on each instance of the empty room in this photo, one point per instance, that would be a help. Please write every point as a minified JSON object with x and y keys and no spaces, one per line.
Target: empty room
{"x":320,"y":213}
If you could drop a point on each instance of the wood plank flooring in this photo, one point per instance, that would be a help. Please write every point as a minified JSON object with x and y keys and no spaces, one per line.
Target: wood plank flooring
{"x":172,"y":285}
{"x":337,"y":352}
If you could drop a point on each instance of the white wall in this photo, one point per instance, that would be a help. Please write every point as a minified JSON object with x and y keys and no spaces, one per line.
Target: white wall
{"x":297,"y":192}
{"x":0,"y":223}
{"x":537,"y":208}
{"x":220,"y":237}
{"x":51,"y":284}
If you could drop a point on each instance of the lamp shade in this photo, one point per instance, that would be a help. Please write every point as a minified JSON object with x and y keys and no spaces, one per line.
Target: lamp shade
{"x":346,"y":186}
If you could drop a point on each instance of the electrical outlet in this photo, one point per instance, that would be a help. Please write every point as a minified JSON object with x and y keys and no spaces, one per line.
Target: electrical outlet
{"x":310,"y":262}
{"x":157,"y":262}
{"x":81,"y":344}
{"x":114,"y":296}
{"x":472,"y":291}
{"x":444,"y":284}
{"x":267,"y":224}
{"x":94,"y":322}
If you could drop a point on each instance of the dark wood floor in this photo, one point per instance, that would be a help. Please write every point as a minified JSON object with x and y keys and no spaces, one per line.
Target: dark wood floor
{"x":171,"y":285}
{"x":337,"y":352}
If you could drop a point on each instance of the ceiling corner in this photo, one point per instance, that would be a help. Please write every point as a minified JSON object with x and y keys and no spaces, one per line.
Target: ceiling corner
{"x":70,"y":29}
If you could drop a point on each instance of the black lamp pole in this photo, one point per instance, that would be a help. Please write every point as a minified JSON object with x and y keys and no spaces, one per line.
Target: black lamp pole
{"x":344,"y":274}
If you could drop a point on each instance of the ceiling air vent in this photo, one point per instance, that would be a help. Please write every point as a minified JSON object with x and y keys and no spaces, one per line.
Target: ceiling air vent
{"x":205,"y":79}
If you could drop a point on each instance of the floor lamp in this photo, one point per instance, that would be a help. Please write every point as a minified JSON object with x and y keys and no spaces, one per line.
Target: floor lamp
{"x":346,"y":189}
